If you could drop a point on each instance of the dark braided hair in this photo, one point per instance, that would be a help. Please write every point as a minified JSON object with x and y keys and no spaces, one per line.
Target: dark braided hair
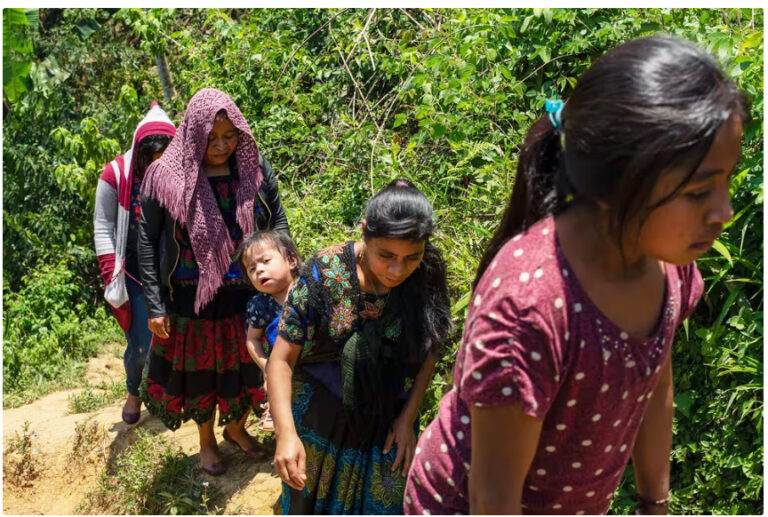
{"x":400,"y":211}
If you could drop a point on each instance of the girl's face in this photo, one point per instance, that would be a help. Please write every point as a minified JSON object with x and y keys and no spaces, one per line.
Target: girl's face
{"x":267,"y":268}
{"x":222,"y":141}
{"x":685,"y":227}
{"x":392,"y":260}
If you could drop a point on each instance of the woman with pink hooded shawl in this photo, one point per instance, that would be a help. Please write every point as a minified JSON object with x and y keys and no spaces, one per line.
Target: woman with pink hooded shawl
{"x":210,"y":188}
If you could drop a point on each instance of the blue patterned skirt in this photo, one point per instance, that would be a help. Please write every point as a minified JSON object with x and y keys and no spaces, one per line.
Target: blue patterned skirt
{"x":346,"y":470}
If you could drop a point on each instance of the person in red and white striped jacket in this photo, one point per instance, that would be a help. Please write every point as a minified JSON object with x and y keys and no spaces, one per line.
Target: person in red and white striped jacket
{"x":115,"y":231}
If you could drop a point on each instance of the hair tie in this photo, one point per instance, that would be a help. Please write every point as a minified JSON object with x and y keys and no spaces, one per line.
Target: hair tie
{"x":554,"y":109}
{"x":401,"y":183}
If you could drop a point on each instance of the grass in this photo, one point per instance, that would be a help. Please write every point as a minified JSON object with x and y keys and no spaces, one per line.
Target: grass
{"x":97,"y":397}
{"x":150,"y":477}
{"x":72,"y":375}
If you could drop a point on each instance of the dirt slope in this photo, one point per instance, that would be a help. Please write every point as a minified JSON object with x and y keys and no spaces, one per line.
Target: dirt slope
{"x":248,"y":486}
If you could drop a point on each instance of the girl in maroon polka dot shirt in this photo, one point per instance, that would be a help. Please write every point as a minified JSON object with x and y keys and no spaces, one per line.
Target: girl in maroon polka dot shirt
{"x":564,"y":370}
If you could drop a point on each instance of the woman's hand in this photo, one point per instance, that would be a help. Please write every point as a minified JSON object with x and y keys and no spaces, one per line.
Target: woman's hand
{"x":403,"y":436}
{"x":160,"y":326}
{"x":290,"y":459}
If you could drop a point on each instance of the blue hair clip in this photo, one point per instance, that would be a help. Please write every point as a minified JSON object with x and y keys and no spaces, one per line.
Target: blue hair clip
{"x":554,"y":109}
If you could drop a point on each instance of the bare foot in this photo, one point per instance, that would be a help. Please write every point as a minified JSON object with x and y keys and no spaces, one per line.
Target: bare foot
{"x":238,"y":433}
{"x":209,"y":455}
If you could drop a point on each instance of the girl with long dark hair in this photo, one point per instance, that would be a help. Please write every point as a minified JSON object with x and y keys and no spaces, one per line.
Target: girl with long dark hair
{"x":564,"y":370}
{"x":357,"y":345}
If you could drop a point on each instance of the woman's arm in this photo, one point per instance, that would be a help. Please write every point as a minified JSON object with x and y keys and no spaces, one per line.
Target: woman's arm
{"x":272,"y":196}
{"x":104,"y":223}
{"x":150,"y":229}
{"x":255,"y":350}
{"x":401,"y":433}
{"x":504,"y":442}
{"x":289,"y":454}
{"x":651,"y":453}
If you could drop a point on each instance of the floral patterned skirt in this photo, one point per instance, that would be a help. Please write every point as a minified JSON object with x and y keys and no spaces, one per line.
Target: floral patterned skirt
{"x":203,"y":364}
{"x":346,"y":470}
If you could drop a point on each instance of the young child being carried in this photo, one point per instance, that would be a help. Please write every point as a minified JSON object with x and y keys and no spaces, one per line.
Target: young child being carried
{"x":271,"y":262}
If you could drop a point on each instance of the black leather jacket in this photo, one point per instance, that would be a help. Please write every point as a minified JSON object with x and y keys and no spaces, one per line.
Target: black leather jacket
{"x":157,"y":225}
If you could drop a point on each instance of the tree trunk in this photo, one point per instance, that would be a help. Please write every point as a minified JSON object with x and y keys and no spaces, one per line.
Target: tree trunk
{"x":165,"y":78}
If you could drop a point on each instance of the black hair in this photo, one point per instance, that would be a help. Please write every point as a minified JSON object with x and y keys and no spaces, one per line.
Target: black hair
{"x":148,"y":146}
{"x":400,"y":211}
{"x":279,"y":239}
{"x":644,"y":108}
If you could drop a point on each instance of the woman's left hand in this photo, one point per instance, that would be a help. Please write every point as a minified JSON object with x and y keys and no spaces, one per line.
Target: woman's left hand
{"x":402,"y":435}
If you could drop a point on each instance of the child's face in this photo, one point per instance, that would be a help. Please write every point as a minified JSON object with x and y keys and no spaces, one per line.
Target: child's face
{"x":222,"y":141}
{"x":267,"y":269}
{"x":392,"y":260}
{"x":685,"y":227}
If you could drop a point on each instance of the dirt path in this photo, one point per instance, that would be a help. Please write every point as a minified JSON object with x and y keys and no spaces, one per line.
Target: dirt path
{"x":248,"y":487}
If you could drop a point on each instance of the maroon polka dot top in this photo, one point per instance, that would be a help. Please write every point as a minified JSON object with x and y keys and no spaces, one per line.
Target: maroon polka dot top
{"x":532,"y":337}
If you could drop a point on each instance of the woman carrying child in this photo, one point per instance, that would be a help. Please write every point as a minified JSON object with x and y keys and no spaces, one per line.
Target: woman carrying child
{"x":115,"y":230}
{"x":211,"y":187}
{"x":357,"y":344}
{"x":564,"y":371}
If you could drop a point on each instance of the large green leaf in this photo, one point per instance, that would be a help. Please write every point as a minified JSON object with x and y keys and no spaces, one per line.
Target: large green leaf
{"x":18,"y":26}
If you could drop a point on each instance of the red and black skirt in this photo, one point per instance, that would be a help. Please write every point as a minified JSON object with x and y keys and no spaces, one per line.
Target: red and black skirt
{"x":204,"y":363}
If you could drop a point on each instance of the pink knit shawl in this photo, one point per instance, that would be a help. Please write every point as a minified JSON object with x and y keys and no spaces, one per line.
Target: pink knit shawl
{"x":175,"y":181}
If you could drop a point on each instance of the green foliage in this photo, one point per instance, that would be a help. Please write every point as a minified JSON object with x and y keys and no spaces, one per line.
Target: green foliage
{"x":69,"y":375}
{"x":46,"y":324}
{"x":150,"y":477}
{"x":18,"y":27}
{"x":96,"y":397}
{"x":342,"y":101}
{"x":57,"y":138}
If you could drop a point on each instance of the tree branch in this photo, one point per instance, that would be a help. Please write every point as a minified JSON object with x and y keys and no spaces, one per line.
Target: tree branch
{"x":362,"y":35}
{"x":412,"y":18}
{"x":290,"y":58}
{"x":352,"y":77}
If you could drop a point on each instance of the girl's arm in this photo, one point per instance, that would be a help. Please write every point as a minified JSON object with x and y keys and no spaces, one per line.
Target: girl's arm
{"x":253,"y":345}
{"x":289,"y":454}
{"x":402,"y":429}
{"x":650,"y":455}
{"x":504,"y":442}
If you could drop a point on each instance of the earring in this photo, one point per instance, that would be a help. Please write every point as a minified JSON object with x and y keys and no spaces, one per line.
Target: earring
{"x":361,"y":256}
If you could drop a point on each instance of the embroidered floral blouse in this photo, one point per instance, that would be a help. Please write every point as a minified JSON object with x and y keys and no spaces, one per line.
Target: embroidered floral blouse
{"x":186,"y":272}
{"x":324,"y":308}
